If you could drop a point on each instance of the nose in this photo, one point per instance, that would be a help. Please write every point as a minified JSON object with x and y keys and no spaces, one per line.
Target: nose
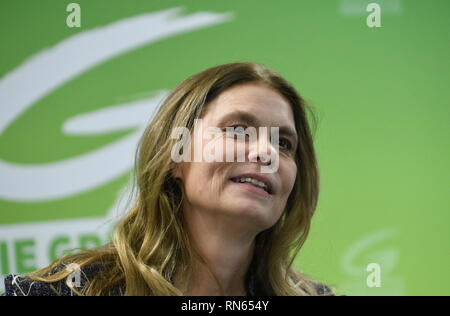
{"x":262,"y":150}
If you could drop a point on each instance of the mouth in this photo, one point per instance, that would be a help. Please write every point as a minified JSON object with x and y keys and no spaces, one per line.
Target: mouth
{"x":254,"y":183}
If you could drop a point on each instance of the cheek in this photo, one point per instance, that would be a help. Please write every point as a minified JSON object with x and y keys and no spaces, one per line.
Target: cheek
{"x":202,"y":181}
{"x":288,"y":174}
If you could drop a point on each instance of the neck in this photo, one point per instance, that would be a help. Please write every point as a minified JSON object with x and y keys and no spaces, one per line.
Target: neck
{"x":227,"y":249}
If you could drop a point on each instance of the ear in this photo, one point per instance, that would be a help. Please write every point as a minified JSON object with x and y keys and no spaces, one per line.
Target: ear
{"x":176,"y":172}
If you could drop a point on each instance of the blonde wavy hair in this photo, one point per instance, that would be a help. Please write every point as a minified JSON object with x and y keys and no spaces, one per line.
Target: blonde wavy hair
{"x":151,"y":243}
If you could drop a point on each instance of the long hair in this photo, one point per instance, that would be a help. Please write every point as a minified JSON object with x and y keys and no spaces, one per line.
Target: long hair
{"x":151,"y":243}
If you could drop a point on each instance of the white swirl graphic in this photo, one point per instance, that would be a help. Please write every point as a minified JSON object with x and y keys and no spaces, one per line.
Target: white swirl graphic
{"x":50,"y":69}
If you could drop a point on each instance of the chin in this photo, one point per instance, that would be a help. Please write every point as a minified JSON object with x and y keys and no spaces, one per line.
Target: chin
{"x":251,"y":211}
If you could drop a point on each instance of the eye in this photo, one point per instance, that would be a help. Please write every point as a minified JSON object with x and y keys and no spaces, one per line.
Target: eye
{"x":285,"y":144}
{"x":239,"y":128}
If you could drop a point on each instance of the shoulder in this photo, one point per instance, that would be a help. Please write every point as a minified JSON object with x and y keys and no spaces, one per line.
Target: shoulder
{"x":16,"y":285}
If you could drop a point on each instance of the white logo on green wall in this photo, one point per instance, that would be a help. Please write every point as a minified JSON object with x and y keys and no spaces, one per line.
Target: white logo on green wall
{"x":29,"y":245}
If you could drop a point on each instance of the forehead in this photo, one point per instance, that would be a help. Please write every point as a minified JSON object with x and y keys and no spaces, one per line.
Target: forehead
{"x":267,"y":104}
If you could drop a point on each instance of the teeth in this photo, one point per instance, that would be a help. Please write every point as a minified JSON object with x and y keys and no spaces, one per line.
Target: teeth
{"x":255,"y":182}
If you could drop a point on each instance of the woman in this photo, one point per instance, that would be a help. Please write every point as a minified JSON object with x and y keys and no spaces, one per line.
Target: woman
{"x":196,"y":228}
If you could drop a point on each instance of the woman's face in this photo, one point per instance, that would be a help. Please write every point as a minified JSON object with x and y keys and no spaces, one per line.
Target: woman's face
{"x":208,"y":186}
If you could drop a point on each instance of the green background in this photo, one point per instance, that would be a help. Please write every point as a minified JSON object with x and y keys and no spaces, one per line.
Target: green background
{"x":381,"y":95}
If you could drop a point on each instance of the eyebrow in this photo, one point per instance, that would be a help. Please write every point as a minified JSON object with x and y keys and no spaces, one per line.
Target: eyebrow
{"x":253,"y":120}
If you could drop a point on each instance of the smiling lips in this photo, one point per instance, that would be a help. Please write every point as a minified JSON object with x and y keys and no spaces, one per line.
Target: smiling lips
{"x":252,"y":188}
{"x":258,"y":180}
{"x":254,"y":183}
